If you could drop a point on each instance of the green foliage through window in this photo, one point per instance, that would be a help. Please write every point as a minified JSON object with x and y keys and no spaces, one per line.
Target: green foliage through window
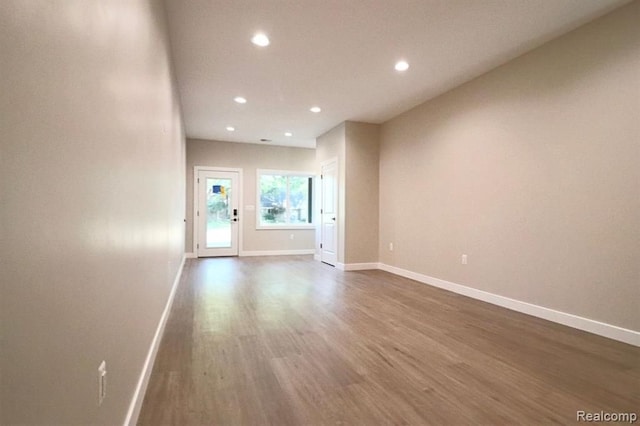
{"x":285,"y":199}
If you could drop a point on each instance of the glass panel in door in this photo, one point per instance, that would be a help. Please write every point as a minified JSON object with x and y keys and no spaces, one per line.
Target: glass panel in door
{"x":219,"y":213}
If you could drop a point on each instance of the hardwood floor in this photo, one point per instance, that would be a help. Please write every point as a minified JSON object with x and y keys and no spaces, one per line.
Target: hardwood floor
{"x":291,"y":341}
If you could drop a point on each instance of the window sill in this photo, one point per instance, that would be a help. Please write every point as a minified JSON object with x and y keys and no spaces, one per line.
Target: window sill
{"x":285,"y":227}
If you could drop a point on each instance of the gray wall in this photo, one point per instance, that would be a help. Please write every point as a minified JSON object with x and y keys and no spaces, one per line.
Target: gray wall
{"x":532,"y":170}
{"x":249,"y":158}
{"x":92,"y":203}
{"x":331,"y":145}
{"x":356,"y":146}
{"x":362,"y":203}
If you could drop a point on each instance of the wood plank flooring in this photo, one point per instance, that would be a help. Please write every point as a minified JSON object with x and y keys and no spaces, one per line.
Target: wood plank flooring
{"x":291,"y":341}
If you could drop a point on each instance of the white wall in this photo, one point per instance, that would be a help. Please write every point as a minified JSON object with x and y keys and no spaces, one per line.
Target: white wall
{"x":92,"y":203}
{"x":532,"y":171}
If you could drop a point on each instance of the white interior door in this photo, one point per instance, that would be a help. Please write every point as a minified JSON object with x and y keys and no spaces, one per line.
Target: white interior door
{"x":329,"y":213}
{"x":217,"y":213}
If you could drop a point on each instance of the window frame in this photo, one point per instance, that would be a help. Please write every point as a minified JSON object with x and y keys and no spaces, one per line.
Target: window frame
{"x":287,"y":173}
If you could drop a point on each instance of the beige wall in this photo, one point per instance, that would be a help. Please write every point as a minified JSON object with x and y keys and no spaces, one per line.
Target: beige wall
{"x":92,"y":208}
{"x":331,"y":145}
{"x":531,"y":170}
{"x":361,"y":180}
{"x":249,"y":158}
{"x":356,"y":146}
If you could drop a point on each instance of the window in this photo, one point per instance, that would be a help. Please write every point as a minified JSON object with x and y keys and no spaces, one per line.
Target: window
{"x":284,"y":200}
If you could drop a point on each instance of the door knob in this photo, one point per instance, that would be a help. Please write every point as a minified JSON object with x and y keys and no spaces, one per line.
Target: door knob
{"x":333,"y":218}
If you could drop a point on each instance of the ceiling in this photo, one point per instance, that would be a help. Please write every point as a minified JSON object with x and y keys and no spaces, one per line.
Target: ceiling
{"x":340,"y":55}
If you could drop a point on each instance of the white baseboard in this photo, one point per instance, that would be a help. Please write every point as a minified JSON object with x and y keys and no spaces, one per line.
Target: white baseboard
{"x":190,"y":255}
{"x":360,"y":266}
{"x":143,"y":381}
{"x":596,"y":327}
{"x":316,"y":257}
{"x":277,"y":252}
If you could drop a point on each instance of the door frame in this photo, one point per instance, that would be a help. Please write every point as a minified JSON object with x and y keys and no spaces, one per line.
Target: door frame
{"x":196,"y":196}
{"x":337,"y":208}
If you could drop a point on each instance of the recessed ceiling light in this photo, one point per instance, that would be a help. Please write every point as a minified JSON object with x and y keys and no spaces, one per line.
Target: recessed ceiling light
{"x":260,"y":39}
{"x":240,"y":100}
{"x":402,"y":66}
{"x":315,"y":109}
{"x":231,"y":128}
{"x":288,"y":134}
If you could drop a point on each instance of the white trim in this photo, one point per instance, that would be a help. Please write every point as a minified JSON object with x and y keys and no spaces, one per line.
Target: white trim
{"x":196,"y":196}
{"x":190,"y":255}
{"x":339,"y":245}
{"x":287,"y":226}
{"x":276,"y":252}
{"x":143,"y":380}
{"x":284,"y":227}
{"x":316,"y":257}
{"x":301,"y":173}
{"x":360,"y":266}
{"x":194,"y":219}
{"x":620,"y":334}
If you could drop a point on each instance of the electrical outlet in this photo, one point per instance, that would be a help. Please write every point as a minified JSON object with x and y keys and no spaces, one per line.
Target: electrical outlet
{"x":464,"y":259}
{"x":102,"y":382}
{"x":291,"y":237}
{"x":390,"y":246}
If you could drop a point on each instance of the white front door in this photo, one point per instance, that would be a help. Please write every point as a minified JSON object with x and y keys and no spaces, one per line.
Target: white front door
{"x":329,"y":213}
{"x":217,"y":213}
